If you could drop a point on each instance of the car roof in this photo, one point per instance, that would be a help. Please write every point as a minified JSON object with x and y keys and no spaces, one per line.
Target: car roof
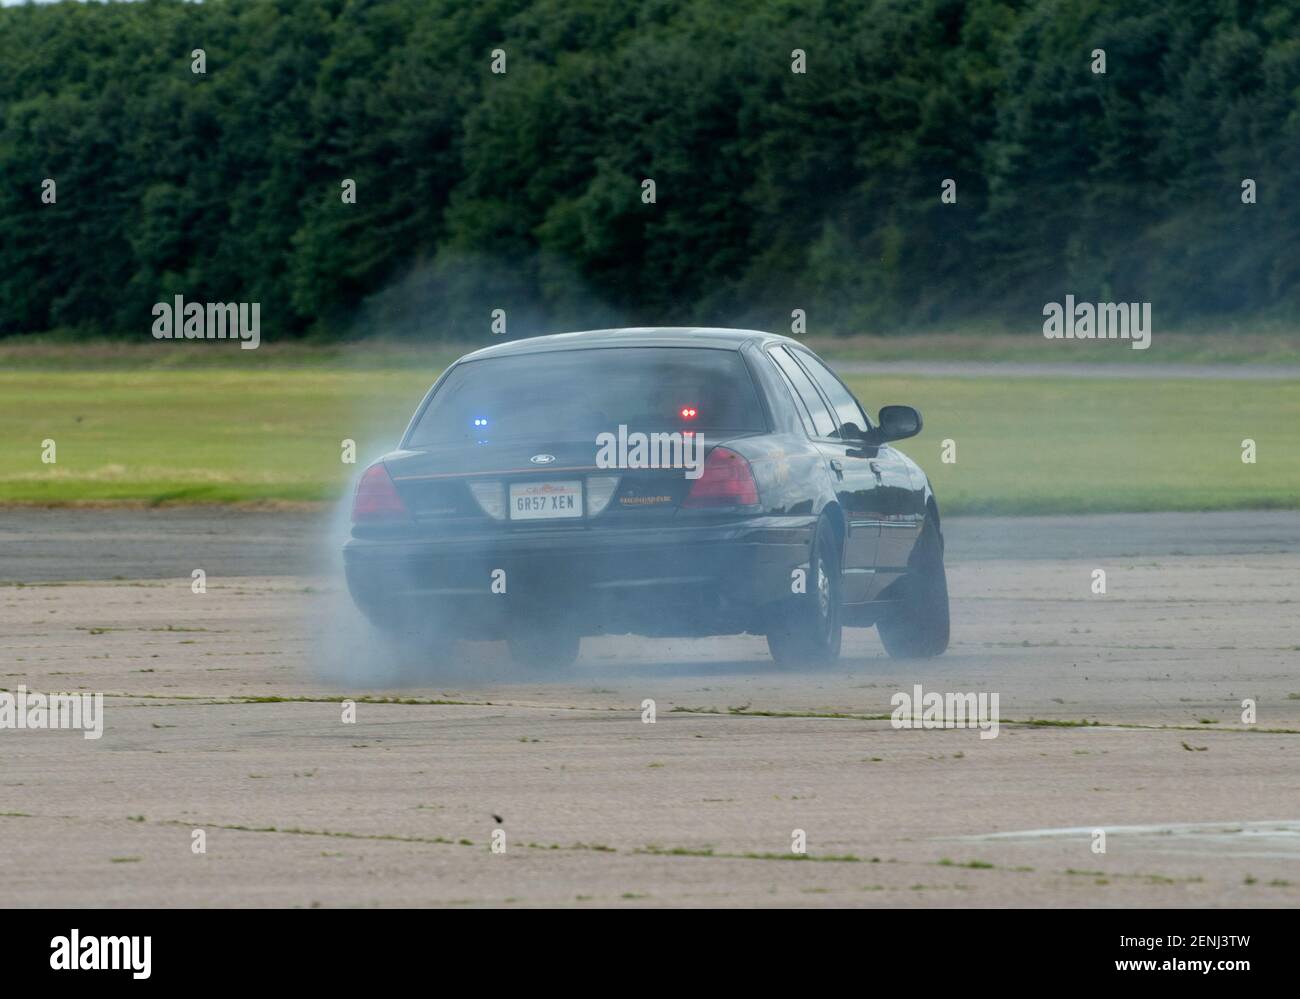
{"x":636,"y":336}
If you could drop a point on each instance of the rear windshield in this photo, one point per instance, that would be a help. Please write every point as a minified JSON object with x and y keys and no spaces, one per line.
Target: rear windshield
{"x":588,"y":392}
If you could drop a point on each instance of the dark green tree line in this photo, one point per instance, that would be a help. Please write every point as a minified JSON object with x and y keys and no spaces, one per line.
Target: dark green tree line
{"x":775,"y":190}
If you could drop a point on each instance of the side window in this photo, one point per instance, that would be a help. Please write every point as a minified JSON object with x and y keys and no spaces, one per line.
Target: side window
{"x":846,"y":407}
{"x":799,"y":407}
{"x":824,"y":424}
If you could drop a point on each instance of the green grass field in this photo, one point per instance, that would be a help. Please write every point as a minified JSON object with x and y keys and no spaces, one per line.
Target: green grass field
{"x":251,"y":434}
{"x":51,"y":352}
{"x":1083,"y":445}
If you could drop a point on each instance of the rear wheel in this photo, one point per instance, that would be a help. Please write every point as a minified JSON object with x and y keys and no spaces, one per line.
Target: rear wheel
{"x":547,"y":648}
{"x":808,"y":633}
{"x":917,"y":627}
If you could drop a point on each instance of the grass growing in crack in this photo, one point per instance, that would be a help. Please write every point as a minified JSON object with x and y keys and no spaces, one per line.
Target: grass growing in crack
{"x":333,"y":833}
{"x":744,"y":712}
{"x":593,"y":847}
{"x":1027,"y":722}
{"x":1151,"y":879}
{"x":363,"y":699}
{"x":682,"y":851}
{"x":380,"y":837}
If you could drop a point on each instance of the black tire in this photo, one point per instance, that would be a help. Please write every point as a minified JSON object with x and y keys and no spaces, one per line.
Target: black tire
{"x":809,"y":631}
{"x":917,"y":627}
{"x":550,"y":648}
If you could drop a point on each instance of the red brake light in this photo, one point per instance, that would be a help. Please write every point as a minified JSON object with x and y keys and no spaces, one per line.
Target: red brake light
{"x":377,"y":498}
{"x":689,"y":412}
{"x":727,"y":481}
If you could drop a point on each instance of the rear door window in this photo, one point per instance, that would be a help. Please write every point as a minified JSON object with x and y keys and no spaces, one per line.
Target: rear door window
{"x":804,"y":416}
{"x":846,"y":407}
{"x":824,"y":424}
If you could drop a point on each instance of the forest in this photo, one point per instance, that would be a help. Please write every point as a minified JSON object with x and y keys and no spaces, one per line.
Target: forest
{"x":883,"y":165}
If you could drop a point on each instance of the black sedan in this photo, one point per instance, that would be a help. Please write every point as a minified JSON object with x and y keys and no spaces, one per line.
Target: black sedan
{"x":658,"y":481}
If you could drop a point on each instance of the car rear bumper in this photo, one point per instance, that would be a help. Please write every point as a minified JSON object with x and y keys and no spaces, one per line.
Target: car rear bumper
{"x":706,"y":579}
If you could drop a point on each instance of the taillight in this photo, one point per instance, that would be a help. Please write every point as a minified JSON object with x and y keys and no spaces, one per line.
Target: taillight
{"x":727,"y":481}
{"x":377,"y":499}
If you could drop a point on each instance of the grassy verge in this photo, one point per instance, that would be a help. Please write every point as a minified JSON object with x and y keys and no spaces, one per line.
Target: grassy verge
{"x":194,"y":436}
{"x":49,"y":352}
{"x":1074,"y":445}
{"x":273,"y":434}
{"x":1282,"y":348}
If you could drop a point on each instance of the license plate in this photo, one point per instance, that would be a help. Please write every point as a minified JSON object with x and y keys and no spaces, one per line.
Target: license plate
{"x":545,"y":500}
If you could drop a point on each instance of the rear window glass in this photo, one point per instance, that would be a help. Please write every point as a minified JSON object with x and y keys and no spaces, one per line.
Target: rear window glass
{"x":589,"y":392}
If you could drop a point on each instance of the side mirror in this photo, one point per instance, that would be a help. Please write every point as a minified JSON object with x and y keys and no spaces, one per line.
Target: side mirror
{"x":896,"y":423}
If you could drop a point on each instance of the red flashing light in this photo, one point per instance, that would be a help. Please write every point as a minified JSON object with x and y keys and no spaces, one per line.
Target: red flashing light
{"x":689,"y":412}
